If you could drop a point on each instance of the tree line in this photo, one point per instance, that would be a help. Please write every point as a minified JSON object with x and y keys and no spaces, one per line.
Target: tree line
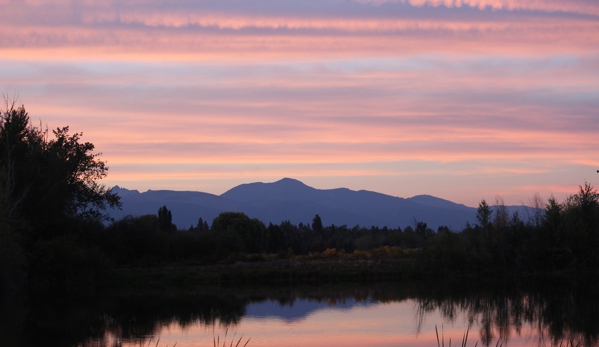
{"x":558,"y":238}
{"x":54,"y":227}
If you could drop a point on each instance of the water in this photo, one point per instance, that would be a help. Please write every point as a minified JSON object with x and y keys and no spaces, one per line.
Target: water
{"x":387,"y":314}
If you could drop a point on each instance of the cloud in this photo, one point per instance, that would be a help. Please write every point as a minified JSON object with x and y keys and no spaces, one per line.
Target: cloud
{"x":503,"y":106}
{"x":102,"y":29}
{"x":449,"y":98}
{"x":572,"y":6}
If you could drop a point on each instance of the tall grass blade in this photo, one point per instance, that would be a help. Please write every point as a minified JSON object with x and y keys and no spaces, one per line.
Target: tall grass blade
{"x":465,"y":339}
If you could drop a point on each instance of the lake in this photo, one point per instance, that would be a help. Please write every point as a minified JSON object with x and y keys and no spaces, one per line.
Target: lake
{"x":379,"y":314}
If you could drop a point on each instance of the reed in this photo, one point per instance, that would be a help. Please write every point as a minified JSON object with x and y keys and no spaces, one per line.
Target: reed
{"x":158,"y":341}
{"x":216,"y":340}
{"x":441,"y":342}
{"x":570,"y":342}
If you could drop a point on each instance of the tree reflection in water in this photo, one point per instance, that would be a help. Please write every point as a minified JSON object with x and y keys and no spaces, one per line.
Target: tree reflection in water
{"x":560,"y":314}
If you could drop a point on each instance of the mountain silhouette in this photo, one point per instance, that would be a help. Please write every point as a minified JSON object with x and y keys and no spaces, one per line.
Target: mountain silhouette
{"x":299,"y":309}
{"x":292,"y":200}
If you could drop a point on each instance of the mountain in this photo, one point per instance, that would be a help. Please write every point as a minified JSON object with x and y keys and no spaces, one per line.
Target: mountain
{"x":187,"y":207}
{"x":299,"y":309}
{"x":292,"y":200}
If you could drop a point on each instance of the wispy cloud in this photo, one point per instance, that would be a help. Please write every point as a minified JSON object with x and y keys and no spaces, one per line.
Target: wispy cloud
{"x":288,"y":29}
{"x":457,"y":98}
{"x":574,"y":6}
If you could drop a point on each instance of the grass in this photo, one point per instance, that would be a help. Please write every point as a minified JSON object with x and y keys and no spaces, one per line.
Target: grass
{"x":441,"y":342}
{"x":158,"y":341}
{"x":217,"y":340}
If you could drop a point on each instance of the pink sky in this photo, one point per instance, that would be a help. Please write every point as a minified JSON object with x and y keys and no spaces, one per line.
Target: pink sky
{"x":461,"y":99}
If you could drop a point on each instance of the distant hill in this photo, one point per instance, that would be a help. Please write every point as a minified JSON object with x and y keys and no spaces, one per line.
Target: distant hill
{"x":299,"y":309}
{"x":292,"y":200}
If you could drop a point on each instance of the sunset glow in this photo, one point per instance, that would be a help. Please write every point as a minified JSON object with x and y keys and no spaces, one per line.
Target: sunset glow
{"x":461,"y":99}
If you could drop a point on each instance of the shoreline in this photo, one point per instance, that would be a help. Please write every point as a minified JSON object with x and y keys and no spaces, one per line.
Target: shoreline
{"x":311,"y":272}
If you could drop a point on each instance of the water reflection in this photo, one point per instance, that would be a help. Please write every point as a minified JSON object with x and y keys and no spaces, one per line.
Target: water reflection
{"x":299,"y":309}
{"x":549,"y":314}
{"x":558,"y":313}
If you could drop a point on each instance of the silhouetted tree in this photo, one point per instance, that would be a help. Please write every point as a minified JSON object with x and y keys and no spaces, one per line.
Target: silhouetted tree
{"x":49,"y":197}
{"x":48,"y":178}
{"x":483,"y":214}
{"x":317,"y":223}
{"x":443,"y":229}
{"x":276,"y":239}
{"x":247,"y":235}
{"x":423,"y":230}
{"x":202,"y":225}
{"x":165,"y":219}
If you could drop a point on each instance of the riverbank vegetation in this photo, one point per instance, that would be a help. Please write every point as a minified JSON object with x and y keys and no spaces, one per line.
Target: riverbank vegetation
{"x":54,"y":231}
{"x":562,"y":240}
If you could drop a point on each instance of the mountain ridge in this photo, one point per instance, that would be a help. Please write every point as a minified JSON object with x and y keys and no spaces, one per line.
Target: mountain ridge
{"x":291,"y":200}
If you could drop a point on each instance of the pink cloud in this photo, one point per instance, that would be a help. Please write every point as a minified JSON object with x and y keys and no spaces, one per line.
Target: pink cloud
{"x":575,"y":6}
{"x":457,"y":93}
{"x":153,"y":31}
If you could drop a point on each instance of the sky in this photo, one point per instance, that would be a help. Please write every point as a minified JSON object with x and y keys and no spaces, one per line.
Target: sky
{"x":460,"y":99}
